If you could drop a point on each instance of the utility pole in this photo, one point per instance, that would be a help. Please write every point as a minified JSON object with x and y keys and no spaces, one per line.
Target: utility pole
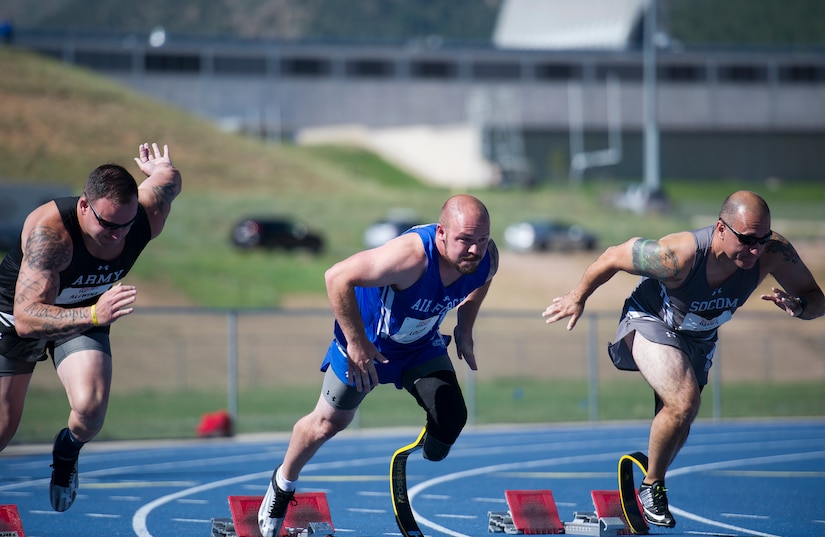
{"x":651,"y":101}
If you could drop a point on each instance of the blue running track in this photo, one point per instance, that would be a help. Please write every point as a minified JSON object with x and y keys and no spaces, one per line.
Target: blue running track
{"x":738,"y":478}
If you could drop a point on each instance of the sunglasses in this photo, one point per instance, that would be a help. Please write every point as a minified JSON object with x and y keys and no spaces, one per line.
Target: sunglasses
{"x":749,"y":240}
{"x":105,"y":224}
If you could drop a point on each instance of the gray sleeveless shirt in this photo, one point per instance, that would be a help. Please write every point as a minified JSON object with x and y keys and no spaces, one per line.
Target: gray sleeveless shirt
{"x":695,"y":308}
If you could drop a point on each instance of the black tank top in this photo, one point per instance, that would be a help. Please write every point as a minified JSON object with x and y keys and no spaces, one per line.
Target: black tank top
{"x":86,"y":277}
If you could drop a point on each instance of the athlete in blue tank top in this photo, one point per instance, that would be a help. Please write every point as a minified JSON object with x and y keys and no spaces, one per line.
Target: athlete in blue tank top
{"x":389,"y":303}
{"x":404,"y":324}
{"x":692,"y":282}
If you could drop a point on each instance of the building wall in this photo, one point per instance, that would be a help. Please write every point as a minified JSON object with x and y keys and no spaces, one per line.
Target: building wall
{"x":716,"y":110}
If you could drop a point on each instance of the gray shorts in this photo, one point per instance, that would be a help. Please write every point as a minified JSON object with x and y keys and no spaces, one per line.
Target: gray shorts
{"x":699,"y":351}
{"x":345,"y":397}
{"x":98,"y":341}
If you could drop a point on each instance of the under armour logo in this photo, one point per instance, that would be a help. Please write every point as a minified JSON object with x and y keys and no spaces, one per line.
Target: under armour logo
{"x":103,"y":267}
{"x":717,"y":291}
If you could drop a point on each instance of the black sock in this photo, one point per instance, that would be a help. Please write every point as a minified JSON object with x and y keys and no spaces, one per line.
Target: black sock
{"x":66,"y":446}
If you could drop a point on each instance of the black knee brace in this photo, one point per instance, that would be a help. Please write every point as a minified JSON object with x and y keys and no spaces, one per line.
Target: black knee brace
{"x":439,"y":394}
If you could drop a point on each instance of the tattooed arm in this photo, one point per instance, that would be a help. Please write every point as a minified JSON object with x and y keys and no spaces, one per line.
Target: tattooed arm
{"x":47,"y":249}
{"x":160,"y":188}
{"x":668,"y":260}
{"x":798,"y":293}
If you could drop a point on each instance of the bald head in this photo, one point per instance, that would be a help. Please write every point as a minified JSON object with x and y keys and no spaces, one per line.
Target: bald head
{"x":745,"y":204}
{"x":463,"y":208}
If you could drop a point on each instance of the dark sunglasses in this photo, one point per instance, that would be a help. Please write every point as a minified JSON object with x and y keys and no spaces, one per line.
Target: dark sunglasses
{"x":105,"y":224}
{"x":749,"y":240}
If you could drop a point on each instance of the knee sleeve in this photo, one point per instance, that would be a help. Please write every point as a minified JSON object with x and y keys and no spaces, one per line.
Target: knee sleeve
{"x":439,"y":394}
{"x":434,"y":450}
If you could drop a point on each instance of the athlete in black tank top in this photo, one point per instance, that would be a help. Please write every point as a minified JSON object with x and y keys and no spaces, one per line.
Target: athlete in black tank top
{"x":60,"y":290}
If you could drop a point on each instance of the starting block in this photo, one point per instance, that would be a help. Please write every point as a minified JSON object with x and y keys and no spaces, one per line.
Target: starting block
{"x":534,"y":512}
{"x":308,"y":517}
{"x":10,"y":524}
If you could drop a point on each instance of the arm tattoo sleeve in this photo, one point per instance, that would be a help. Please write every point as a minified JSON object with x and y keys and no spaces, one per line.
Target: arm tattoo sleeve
{"x":650,"y":259}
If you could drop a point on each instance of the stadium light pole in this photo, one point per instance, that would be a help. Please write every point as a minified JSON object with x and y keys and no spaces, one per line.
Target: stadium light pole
{"x":651,"y":134}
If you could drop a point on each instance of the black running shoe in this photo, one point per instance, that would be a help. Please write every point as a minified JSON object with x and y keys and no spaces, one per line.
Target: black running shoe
{"x":273,"y":508}
{"x":63,"y":486}
{"x":654,"y":504}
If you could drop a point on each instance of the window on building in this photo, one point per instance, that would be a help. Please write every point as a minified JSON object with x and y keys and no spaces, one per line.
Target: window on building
{"x":104,"y":61}
{"x":237,"y":65}
{"x":743,"y":74}
{"x":305,"y":67}
{"x":496,"y":71}
{"x":433,"y":69}
{"x":682,"y":73}
{"x":802,"y":74}
{"x":370,"y":69}
{"x":557,"y":71}
{"x":172,"y":63}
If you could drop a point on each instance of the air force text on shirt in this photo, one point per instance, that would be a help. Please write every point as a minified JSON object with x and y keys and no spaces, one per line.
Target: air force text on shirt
{"x":427,"y":306}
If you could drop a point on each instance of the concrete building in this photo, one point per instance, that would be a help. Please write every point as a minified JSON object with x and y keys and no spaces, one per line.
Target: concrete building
{"x":467,"y":116}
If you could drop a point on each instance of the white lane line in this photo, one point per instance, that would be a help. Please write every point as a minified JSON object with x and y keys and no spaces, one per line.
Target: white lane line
{"x":561,"y":460}
{"x":140,"y":516}
{"x":733,"y":463}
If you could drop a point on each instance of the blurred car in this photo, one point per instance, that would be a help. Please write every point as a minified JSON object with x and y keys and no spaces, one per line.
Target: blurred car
{"x":272,"y":233}
{"x":394,"y":224}
{"x":548,"y":235}
{"x":640,"y":199}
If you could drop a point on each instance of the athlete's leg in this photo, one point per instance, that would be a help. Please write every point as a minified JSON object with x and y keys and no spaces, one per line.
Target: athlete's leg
{"x":668,"y":371}
{"x":310,"y":433}
{"x":12,"y":396}
{"x":334,"y":411}
{"x":86,"y":375}
{"x":439,"y":394}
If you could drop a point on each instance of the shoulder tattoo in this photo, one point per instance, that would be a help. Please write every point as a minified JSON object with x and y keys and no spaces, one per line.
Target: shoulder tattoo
{"x":780,"y":245}
{"x":651,"y":259}
{"x":45,"y":250}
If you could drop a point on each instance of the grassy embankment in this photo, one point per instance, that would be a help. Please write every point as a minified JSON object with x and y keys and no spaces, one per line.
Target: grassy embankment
{"x":59,"y":123}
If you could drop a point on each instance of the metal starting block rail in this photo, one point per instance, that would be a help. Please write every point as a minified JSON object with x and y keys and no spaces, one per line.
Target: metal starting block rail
{"x":534,"y":512}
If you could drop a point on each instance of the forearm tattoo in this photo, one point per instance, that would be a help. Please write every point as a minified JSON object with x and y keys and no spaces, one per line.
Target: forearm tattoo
{"x":650,"y":259}
{"x":46,"y":253}
{"x":164,"y":195}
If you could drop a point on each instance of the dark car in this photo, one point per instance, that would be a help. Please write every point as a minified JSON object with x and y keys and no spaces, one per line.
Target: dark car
{"x":271,"y":233}
{"x":547,"y":235}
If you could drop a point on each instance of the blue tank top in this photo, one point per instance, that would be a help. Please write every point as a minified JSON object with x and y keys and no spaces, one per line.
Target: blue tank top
{"x":695,"y":306}
{"x":396,"y":320}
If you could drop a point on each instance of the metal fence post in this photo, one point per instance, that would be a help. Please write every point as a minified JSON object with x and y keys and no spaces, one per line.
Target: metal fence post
{"x":593,"y":368}
{"x":232,"y":364}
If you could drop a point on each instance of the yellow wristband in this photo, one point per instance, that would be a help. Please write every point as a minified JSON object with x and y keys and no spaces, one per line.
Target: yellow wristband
{"x":94,"y":316}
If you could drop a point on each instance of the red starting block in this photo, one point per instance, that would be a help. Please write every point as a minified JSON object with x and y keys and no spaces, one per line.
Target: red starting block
{"x":534,"y":511}
{"x":10,"y":524}
{"x":310,"y":512}
{"x":608,"y":503}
